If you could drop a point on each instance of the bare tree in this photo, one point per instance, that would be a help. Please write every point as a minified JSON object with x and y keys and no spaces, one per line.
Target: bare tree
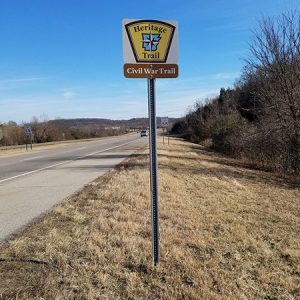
{"x":44,"y":130}
{"x":275,"y":66}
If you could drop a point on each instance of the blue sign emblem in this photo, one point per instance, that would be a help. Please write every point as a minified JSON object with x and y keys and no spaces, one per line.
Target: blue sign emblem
{"x":150,"y":41}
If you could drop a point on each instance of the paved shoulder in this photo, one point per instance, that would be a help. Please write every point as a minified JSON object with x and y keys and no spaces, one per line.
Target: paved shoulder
{"x":26,"y":197}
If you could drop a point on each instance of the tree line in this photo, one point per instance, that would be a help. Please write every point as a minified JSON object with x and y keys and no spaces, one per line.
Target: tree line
{"x":44,"y":130}
{"x":259,"y":118}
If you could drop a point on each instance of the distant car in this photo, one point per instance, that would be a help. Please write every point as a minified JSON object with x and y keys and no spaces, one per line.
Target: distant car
{"x":144,"y":133}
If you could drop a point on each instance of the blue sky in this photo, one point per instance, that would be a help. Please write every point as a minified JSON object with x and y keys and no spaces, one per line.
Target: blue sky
{"x":63,"y":58}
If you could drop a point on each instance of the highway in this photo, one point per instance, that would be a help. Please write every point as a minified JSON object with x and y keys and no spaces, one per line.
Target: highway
{"x":32,"y":183}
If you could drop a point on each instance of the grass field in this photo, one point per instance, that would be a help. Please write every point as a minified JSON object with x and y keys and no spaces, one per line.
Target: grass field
{"x":227,"y":232}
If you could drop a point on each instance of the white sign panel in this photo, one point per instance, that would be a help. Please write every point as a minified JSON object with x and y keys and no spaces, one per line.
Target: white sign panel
{"x":164,"y":122}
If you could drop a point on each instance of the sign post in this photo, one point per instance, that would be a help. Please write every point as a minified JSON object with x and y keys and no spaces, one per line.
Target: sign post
{"x":150,"y":51}
{"x":153,"y":170}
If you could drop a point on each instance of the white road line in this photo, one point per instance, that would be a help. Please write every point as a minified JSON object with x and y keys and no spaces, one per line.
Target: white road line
{"x":65,"y":162}
{"x":32,"y":158}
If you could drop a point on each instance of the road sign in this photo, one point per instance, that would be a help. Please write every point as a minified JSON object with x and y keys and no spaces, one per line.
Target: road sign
{"x":164,"y":122}
{"x":28,"y":133}
{"x":150,"y":51}
{"x":150,"y":48}
{"x":27,"y":129}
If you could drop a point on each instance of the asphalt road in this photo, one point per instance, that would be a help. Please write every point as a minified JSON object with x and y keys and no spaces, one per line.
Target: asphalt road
{"x":32,"y":183}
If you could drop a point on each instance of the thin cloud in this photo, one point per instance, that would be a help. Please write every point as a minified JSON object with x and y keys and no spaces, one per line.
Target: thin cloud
{"x":68,"y":94}
{"x":16,"y":83}
{"x":24,"y":79}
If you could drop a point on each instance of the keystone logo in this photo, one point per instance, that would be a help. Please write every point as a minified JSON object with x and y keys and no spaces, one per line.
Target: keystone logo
{"x":150,"y":40}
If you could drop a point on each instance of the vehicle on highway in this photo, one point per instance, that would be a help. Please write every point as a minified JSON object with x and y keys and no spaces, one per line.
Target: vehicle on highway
{"x":144,"y":133}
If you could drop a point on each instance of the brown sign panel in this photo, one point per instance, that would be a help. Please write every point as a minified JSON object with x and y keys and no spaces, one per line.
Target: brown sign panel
{"x":151,"y":70}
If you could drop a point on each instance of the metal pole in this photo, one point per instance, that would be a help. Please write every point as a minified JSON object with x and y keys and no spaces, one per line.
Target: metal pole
{"x":153,"y":171}
{"x":163,"y":135}
{"x":30,"y":139}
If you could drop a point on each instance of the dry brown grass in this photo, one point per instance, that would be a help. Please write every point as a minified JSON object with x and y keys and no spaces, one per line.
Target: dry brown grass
{"x":227,"y":232}
{"x":7,"y":151}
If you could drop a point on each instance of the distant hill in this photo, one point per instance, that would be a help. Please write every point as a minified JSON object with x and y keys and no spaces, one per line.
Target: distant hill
{"x":135,"y":123}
